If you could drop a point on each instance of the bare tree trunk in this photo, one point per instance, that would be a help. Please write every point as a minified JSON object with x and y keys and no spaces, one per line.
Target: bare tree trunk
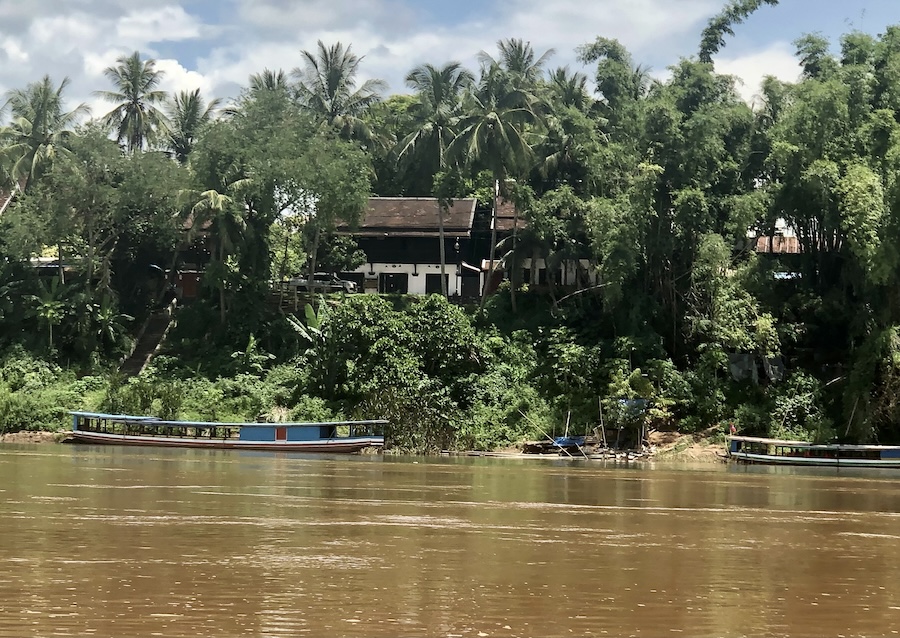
{"x":490,"y":273}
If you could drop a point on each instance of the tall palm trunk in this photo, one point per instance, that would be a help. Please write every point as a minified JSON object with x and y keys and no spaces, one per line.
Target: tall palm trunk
{"x":441,"y":209}
{"x":314,"y":250}
{"x":282,"y":270}
{"x":490,"y":274}
{"x":514,"y":273}
{"x":222,"y":282}
{"x":61,"y":265}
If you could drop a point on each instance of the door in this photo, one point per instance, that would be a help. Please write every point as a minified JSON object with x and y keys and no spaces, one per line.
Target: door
{"x":393,"y":283}
{"x":471,"y":285}
{"x":433,"y":284}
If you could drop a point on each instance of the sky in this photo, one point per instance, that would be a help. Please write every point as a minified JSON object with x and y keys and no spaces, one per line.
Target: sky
{"x":215,"y":45}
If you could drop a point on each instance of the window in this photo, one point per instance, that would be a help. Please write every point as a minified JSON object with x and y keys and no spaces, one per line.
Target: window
{"x":356,"y":277}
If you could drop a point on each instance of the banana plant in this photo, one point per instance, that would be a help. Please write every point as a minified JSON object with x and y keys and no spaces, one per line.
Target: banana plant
{"x":49,"y":308}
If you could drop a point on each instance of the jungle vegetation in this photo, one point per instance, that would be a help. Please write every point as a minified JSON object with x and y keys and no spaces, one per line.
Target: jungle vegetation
{"x":662,"y":185}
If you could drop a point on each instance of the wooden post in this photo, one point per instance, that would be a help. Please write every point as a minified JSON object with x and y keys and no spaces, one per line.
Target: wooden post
{"x":602,"y":424}
{"x":550,"y":438}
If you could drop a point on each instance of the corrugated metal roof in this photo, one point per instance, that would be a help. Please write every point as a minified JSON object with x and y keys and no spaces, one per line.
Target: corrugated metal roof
{"x":778,"y":244}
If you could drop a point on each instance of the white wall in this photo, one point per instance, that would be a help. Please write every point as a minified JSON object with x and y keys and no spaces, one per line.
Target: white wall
{"x":416,"y":276}
{"x":569,"y":271}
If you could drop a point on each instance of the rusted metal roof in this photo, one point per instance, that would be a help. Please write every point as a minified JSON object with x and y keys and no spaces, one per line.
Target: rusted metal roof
{"x":778,"y":244}
{"x":413,"y":217}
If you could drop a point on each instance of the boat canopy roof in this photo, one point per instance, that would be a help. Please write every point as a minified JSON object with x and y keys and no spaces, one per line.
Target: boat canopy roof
{"x":125,"y":418}
{"x":807,"y":444}
{"x":101,"y":415}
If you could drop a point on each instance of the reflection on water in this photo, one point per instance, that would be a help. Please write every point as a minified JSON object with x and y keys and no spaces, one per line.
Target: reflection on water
{"x":131,"y":542}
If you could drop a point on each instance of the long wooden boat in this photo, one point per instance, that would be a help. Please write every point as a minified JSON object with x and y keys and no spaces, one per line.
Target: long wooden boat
{"x":121,"y":429}
{"x":751,"y":449}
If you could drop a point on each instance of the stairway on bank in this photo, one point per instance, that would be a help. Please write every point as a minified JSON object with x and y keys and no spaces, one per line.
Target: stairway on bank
{"x":148,"y":342}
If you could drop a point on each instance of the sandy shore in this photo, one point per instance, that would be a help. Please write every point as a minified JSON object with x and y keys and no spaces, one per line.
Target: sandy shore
{"x":32,"y":437}
{"x":699,"y":447}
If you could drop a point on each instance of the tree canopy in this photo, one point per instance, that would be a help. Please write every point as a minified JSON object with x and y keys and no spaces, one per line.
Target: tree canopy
{"x":662,"y":200}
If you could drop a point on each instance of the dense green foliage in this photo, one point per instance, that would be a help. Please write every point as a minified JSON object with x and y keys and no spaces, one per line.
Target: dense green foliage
{"x":655,"y":190}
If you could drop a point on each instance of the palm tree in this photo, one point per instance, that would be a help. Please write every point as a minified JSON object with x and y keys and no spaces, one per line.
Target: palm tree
{"x":39,"y":132}
{"x":262,"y":85}
{"x":49,"y":306}
{"x":136,"y":119}
{"x":492,"y":134}
{"x":217,"y":213}
{"x":326,"y":87}
{"x":188,"y":115}
{"x":269,"y":80}
{"x":517,"y":59}
{"x":524,"y":244}
{"x":439,"y":92}
{"x":569,"y":89}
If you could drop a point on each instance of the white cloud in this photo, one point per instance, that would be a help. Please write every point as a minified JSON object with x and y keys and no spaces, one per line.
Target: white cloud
{"x":303,"y":20}
{"x":168,"y":23}
{"x":777,"y":59}
{"x":13,"y":50}
{"x":80,"y":38}
{"x":639,"y":24}
{"x":176,"y":78}
{"x":65,"y":33}
{"x":273,"y":32}
{"x":95,"y":63}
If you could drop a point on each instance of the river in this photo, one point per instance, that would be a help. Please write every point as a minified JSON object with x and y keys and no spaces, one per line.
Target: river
{"x":117,"y":542}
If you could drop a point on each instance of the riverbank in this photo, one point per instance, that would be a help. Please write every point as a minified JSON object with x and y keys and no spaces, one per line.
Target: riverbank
{"x":705,"y":446}
{"x":30,"y":436}
{"x":700,"y":447}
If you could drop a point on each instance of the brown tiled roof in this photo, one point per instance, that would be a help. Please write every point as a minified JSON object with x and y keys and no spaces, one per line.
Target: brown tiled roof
{"x":506,"y":216}
{"x":413,"y":217}
{"x":777,"y":244}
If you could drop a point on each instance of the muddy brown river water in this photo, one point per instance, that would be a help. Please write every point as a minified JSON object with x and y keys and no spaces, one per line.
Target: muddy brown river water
{"x":119,"y":542}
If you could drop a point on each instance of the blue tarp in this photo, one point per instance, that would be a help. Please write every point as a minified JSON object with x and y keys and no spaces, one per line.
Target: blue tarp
{"x":568,"y":441}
